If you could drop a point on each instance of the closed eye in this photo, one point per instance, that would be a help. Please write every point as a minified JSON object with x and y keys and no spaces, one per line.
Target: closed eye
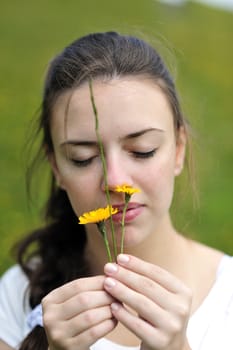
{"x":144,"y":154}
{"x":82,"y":163}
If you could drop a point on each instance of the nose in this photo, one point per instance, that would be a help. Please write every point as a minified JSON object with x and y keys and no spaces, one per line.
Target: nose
{"x":117,"y":174}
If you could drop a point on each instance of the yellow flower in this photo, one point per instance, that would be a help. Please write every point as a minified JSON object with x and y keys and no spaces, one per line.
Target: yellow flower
{"x":126,"y":189}
{"x":98,"y":215}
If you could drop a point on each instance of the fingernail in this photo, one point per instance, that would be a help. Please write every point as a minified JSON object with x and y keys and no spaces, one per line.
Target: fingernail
{"x":109,"y":282}
{"x":110,"y":268}
{"x":122,"y":259}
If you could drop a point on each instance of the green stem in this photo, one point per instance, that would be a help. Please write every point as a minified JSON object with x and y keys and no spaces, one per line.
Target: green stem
{"x":103,"y":165}
{"x":127,"y":198}
{"x":102,"y":229}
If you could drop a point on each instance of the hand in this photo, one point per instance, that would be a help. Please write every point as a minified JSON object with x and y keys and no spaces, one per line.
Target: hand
{"x":153,"y":304}
{"x":77,"y":314}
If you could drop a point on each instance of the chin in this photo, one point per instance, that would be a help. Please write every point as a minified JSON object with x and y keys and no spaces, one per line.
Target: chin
{"x":132,"y":239}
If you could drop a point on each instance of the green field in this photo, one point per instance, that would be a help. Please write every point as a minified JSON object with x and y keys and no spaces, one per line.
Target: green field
{"x":197,"y":43}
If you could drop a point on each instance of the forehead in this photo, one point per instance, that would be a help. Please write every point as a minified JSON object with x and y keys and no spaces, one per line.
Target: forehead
{"x":122,"y":104}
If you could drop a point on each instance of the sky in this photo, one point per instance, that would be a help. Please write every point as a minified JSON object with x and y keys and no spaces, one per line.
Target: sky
{"x":224,"y":4}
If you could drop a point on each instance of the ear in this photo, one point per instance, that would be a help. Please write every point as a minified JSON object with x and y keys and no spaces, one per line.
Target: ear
{"x":180,"y":150}
{"x":55,"y":170}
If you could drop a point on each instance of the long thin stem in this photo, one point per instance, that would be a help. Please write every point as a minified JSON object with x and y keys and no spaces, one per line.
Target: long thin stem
{"x":102,"y":229}
{"x":103,"y":165}
{"x":127,"y":198}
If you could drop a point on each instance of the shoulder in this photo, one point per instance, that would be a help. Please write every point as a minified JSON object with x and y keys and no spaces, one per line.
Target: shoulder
{"x":14,"y":305}
{"x":16,"y":275}
{"x":13,"y":290}
{"x":12,"y":272}
{"x":225,"y":267}
{"x":224,"y":279}
{"x":223,"y":285}
{"x":211,"y":325}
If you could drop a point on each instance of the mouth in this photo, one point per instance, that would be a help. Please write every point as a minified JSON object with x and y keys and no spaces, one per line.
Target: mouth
{"x":133,"y":210}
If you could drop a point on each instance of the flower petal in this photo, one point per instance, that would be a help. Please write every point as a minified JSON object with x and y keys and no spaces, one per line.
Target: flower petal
{"x":97,"y":215}
{"x":126,"y":189}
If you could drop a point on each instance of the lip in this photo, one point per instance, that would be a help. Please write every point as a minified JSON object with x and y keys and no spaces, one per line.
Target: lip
{"x":133,"y":210}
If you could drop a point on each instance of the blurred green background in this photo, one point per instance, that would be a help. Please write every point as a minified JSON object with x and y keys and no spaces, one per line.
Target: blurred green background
{"x":195,"y":40}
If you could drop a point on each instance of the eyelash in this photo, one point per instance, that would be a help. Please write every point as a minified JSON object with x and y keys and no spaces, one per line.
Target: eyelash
{"x":82,"y":163}
{"x":140,"y":155}
{"x":144,"y":155}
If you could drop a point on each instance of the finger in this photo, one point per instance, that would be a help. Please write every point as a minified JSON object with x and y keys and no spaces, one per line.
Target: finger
{"x":61,"y":294}
{"x":153,"y":272}
{"x":139,"y":283}
{"x":82,"y":302}
{"x":178,"y":302}
{"x":86,"y":320}
{"x":140,"y":327}
{"x":58,"y":338}
{"x":91,"y":336}
{"x":142,"y":305}
{"x":153,"y":337}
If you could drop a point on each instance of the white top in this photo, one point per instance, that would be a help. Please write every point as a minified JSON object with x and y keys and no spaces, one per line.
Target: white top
{"x":209,"y":328}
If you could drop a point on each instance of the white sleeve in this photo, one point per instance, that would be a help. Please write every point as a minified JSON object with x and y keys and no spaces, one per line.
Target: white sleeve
{"x":14,"y":306}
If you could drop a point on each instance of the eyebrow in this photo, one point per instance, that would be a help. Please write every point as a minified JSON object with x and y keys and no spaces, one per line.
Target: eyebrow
{"x":141,"y":132}
{"x":94,"y":143}
{"x":79,"y":143}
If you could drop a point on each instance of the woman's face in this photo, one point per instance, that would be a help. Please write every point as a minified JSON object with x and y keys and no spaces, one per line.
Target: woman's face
{"x":141,"y":150}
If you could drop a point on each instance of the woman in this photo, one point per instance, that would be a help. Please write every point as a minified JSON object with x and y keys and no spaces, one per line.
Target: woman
{"x":159,"y":293}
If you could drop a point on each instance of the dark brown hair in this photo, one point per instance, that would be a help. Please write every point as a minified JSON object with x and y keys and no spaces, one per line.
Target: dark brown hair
{"x":60,"y":244}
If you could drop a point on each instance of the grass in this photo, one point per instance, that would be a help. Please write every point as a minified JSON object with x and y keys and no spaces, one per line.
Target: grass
{"x":200,"y":39}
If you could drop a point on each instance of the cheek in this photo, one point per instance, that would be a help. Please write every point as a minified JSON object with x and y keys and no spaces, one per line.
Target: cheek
{"x":80,"y":198}
{"x":81,"y":189}
{"x":159,"y":181}
{"x":161,"y":170}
